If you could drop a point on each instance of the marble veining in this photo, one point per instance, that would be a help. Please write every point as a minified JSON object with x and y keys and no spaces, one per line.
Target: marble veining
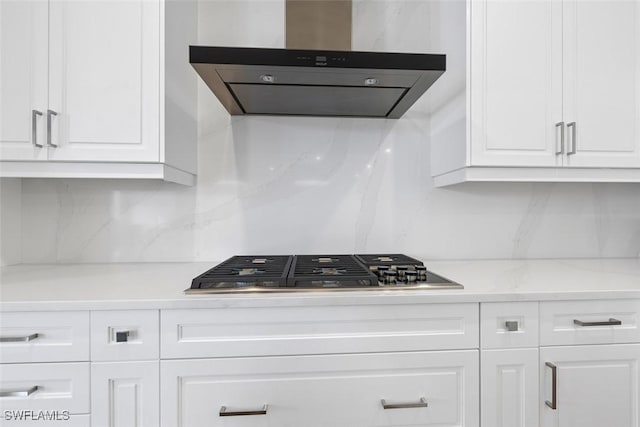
{"x":313,"y":185}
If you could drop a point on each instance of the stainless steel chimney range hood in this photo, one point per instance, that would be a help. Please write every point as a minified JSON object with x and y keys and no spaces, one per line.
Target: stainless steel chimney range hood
{"x":315,"y":82}
{"x":318,"y":74}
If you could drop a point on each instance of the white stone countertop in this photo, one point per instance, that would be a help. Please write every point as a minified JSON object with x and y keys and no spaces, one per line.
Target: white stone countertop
{"x":161,"y":285}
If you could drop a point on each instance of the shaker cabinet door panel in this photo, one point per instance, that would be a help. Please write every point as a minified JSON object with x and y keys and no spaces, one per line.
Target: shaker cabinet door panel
{"x":104,"y":80}
{"x":419,"y":390}
{"x":23,"y":79}
{"x":516,"y":92}
{"x":602,"y":82}
{"x":509,"y":392}
{"x":596,"y":386}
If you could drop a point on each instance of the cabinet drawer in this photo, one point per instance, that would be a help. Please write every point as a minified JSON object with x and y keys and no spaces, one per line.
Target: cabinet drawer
{"x":589,"y":322}
{"x":124,"y":335}
{"x":44,"y":336}
{"x":317,"y":330}
{"x":509,"y":325}
{"x":329,"y":390}
{"x":58,"y":386}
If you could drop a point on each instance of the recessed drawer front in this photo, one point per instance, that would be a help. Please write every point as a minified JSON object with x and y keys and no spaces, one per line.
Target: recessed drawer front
{"x":589,"y":322}
{"x":418,"y":389}
{"x":45,"y":386}
{"x":44,"y":336}
{"x":317,"y":330}
{"x":509,"y":325}
{"x":125,"y":335}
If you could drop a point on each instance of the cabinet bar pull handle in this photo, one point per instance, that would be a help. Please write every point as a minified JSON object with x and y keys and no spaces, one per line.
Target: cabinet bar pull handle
{"x":554,"y":384}
{"x":422,"y":404}
{"x":26,"y":392}
{"x":49,"y":114}
{"x":572,"y":127}
{"x":24,"y":338}
{"x":34,"y":127}
{"x":561,"y":126}
{"x":225,"y":413}
{"x":610,"y":322}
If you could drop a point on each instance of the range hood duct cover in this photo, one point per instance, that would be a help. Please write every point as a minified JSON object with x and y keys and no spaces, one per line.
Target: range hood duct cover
{"x":323,"y":79}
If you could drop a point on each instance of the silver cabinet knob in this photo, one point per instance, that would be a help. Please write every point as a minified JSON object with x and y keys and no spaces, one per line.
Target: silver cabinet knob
{"x":511,"y":325}
{"x":122,"y":336}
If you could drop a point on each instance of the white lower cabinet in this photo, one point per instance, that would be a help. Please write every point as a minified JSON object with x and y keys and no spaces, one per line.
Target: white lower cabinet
{"x":509,"y":392}
{"x":418,"y":389}
{"x":595,"y":386}
{"x":125,"y":394}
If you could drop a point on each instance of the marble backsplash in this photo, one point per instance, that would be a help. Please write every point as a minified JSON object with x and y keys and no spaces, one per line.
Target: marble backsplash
{"x":319,"y":185}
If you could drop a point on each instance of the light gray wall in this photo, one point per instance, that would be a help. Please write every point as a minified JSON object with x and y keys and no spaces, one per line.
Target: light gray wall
{"x":313,"y":185}
{"x":10,"y":221}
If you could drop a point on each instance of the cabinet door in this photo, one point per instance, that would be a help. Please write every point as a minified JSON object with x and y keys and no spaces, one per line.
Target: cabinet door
{"x":602,"y":82}
{"x":596,"y":386}
{"x":516,"y":78}
{"x":23,"y":78}
{"x":509,"y":390}
{"x":104,"y":80}
{"x":125,"y":394}
{"x":430,"y":388}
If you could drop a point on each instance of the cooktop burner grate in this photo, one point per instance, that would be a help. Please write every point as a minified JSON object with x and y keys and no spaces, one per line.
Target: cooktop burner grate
{"x":394,"y":260}
{"x":245,"y":271}
{"x":327,"y":271}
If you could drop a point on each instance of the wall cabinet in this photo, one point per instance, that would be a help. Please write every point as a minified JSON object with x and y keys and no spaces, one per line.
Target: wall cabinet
{"x":82,"y":100}
{"x":551,"y":92}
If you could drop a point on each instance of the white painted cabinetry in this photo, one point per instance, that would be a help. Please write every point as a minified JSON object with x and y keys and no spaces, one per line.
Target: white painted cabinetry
{"x":509,"y":364}
{"x":418,"y":389}
{"x":596,"y":383}
{"x":466,"y":365}
{"x":594,"y":386}
{"x":550,"y":92}
{"x":97,"y":89}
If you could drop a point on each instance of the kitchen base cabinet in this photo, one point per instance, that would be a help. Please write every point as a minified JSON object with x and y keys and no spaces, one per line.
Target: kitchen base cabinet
{"x":509,"y":392}
{"x":125,"y":394}
{"x":595,"y":386}
{"x":418,"y":389}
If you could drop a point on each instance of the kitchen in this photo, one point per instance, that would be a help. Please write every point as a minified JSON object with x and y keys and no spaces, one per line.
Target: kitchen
{"x":314,"y":185}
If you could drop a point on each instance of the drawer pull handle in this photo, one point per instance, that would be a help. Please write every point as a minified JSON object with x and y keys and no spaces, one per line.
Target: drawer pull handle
{"x":18,"y":392}
{"x":610,"y":322}
{"x":225,"y":413}
{"x":554,"y":384}
{"x":422,"y":404}
{"x":24,"y":338}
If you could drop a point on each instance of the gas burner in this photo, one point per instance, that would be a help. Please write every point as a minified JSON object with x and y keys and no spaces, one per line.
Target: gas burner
{"x":248,"y":271}
{"x":384,"y":259}
{"x":329,"y":271}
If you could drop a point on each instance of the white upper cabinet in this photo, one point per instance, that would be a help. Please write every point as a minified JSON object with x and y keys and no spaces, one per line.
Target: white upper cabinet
{"x":23,"y":79}
{"x":551,"y":92}
{"x":104,"y":79}
{"x":113,"y":83}
{"x":602,"y":82}
{"x":516,"y":90}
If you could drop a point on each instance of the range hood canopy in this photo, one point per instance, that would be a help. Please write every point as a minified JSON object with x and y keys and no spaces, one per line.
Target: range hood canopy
{"x":325,"y":80}
{"x":315,"y":82}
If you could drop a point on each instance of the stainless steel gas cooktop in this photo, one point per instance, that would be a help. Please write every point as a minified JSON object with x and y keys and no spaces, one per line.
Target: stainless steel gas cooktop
{"x":309,"y":273}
